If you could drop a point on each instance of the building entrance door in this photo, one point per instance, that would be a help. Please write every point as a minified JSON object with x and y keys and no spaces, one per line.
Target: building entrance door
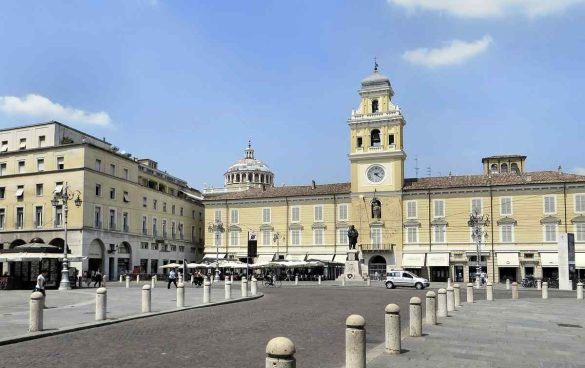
{"x":458,"y":273}
{"x":377,"y":267}
{"x":440,"y":274}
{"x":508,"y":273}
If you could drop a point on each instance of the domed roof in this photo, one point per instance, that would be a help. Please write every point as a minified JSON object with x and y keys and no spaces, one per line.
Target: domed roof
{"x":249,"y":163}
{"x":375,"y":78}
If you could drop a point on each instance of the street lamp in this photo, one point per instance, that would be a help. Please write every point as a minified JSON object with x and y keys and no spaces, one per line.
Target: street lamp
{"x":216,"y":228}
{"x":276,"y":238}
{"x":63,"y":197}
{"x":477,"y":222}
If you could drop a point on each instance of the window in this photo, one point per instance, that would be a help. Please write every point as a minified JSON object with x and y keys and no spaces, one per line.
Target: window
{"x":112,"y":169}
{"x":266,"y":215}
{"x":580,"y":203}
{"x":2,"y":169}
{"x":376,"y":236}
{"x":4,"y":146}
{"x":173,"y":209}
{"x":38,"y":216}
{"x":164,"y":206}
{"x":40,"y":164}
{"x":580,"y":231}
{"x":126,"y":174}
{"x":164,"y":228}
{"x":58,"y":187}
{"x":266,"y":237}
{"x":98,"y":190}
{"x":112,"y":219}
{"x":3,"y":192}
{"x":318,"y":237}
{"x":295,"y":214}
{"x":391,"y":139}
{"x":550,"y":232}
{"x":144,"y":200}
{"x":125,"y":225}
{"x":112,"y":193}
{"x":374,"y":106}
{"x":21,"y":167}
{"x":235,"y":216}
{"x":550,"y":205}
{"x":234,"y":238}
{"x":41,"y":140}
{"x":360,"y":142}
{"x":181,"y":212}
{"x":494,"y":168}
{"x":217,"y":215}
{"x":126,"y":197}
{"x":143,"y":245}
{"x":295,"y":237}
{"x":412,"y":234}
{"x":154,"y":230}
{"x":514,"y":168}
{"x":22,"y":144}
{"x":173,"y":232}
{"x":507,"y":233}
{"x":505,"y":206}
{"x":97,"y":218}
{"x":19,"y":217}
{"x":60,"y":163}
{"x":439,"y":206}
{"x":342,"y":236}
{"x":343,"y":212}
{"x":439,"y":233}
{"x":182,"y":248}
{"x":59,"y":216}
{"x":504,"y":168}
{"x":144,"y":226}
{"x":2,"y":218}
{"x":375,"y":138}
{"x":476,"y":206}
{"x":98,"y":165}
{"x":411,"y":209}
{"x":20,"y":192}
{"x":154,"y":204}
{"x":154,"y":246}
{"x":39,"y":190}
{"x":318,"y":213}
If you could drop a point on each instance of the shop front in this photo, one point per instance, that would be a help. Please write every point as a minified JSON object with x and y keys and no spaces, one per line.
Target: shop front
{"x":508,"y":266}
{"x":550,"y":266}
{"x":414,"y":262}
{"x":438,"y":264}
{"x":580,"y":266}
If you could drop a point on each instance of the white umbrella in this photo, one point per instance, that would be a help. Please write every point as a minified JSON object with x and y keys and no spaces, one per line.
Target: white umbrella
{"x":172,"y":265}
{"x":198,"y":265}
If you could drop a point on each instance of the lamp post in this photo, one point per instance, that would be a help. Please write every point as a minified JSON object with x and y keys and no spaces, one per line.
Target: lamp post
{"x":276,"y":238}
{"x":62,"y":198}
{"x":477,"y":222}
{"x":216,"y":228}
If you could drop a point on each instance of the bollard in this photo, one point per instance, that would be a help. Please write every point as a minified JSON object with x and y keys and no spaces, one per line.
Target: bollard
{"x":507,"y":284}
{"x":138,"y":279}
{"x":539,"y":284}
{"x":280,"y":353}
{"x":514,"y":290}
{"x":101,"y":303}
{"x":192,"y":279}
{"x":232,"y":278}
{"x":254,"y":286}
{"x":545,"y":290}
{"x":343,"y":281}
{"x":319,"y":280}
{"x":206,"y":291}
{"x":244,"y":287}
{"x":37,"y":303}
{"x":392,"y":329}
{"x":296,"y":279}
{"x":415,"y":317}
{"x":457,"y":294}
{"x":181,"y":295}
{"x":489,"y":291}
{"x":152,"y":283}
{"x":105,"y":279}
{"x":369,"y":282}
{"x":127,"y":281}
{"x":355,"y":342}
{"x":146,"y":299}
{"x":431,"y":308}
{"x":121,"y":278}
{"x":228,"y":290}
{"x":442,"y":303}
{"x":450,"y":299}
{"x":579,"y":290}
{"x":448,"y":282}
{"x":469,"y":292}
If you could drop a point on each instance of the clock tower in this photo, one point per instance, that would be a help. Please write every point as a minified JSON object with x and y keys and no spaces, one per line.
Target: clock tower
{"x":376,"y":159}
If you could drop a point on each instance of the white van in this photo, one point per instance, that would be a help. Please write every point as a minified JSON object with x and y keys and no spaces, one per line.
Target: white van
{"x":405,"y":278}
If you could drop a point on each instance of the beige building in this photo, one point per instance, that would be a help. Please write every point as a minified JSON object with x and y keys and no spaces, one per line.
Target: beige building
{"x":417,"y":224}
{"x":133,"y":217}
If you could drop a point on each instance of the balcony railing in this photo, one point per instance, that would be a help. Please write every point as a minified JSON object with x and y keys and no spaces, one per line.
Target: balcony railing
{"x":376,"y":247}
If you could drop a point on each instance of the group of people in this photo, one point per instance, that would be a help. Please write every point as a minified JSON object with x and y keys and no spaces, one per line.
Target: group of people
{"x":96,"y":277}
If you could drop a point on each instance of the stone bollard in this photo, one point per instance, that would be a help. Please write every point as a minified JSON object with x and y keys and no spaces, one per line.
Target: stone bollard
{"x":539,"y":284}
{"x":101,"y":303}
{"x":232,"y":278}
{"x":181,"y":295}
{"x":254,"y":286}
{"x":121,"y":278}
{"x":138,"y":279}
{"x":545,"y":290}
{"x":507,"y":284}
{"x":228,"y":290}
{"x":206,"y":291}
{"x":579,"y":290}
{"x":442,"y":303}
{"x":146,"y":300}
{"x":457,"y":294}
{"x":296,"y":279}
{"x":469,"y":292}
{"x":127,"y":282}
{"x":152,"y":283}
{"x":37,"y":303}
{"x":392,"y":329}
{"x":192,"y":280}
{"x":342,"y":280}
{"x":369,"y":282}
{"x":448,"y":282}
{"x":355,"y":342}
{"x":415,"y":317}
{"x":105,"y":280}
{"x":280,"y":353}
{"x":450,"y":299}
{"x":431,"y":308}
{"x":489,"y":291}
{"x":514,"y":290}
{"x":244,"y":287}
{"x":319,"y":280}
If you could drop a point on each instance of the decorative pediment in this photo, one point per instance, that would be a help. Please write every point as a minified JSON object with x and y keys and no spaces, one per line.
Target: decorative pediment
{"x":439,"y":221}
{"x":376,"y":223}
{"x":507,"y":221}
{"x":234,"y":228}
{"x":342,"y":224}
{"x":550,"y":220}
{"x":295,"y":226}
{"x":578,"y":219}
{"x":266,"y":227}
{"x":411,"y":223}
{"x":318,"y":225}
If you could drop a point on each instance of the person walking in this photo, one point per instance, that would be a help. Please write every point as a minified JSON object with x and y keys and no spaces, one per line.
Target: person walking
{"x":40,"y":286}
{"x":97,"y":279}
{"x":172,"y":279}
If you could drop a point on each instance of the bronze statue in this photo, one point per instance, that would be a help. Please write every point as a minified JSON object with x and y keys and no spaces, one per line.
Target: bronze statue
{"x":352,"y":234}
{"x":376,"y":209}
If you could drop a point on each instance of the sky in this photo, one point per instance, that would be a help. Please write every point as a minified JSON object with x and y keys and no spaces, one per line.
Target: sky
{"x":188,"y":83}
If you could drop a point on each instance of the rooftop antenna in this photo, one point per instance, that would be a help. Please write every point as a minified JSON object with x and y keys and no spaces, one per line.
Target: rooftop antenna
{"x":416,"y":166}
{"x":375,"y":64}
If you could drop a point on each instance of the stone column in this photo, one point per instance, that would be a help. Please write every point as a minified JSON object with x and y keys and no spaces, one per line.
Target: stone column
{"x":280,"y":353}
{"x":121,"y":278}
{"x":507,"y":284}
{"x":127,"y":281}
{"x":450,"y":299}
{"x":244,"y":287}
{"x":254,"y":286}
{"x":449,"y":282}
{"x":206,"y":291}
{"x":192,"y":279}
{"x":355,"y":342}
{"x":146,"y":300}
{"x":415,"y":317}
{"x":36,"y":305}
{"x":579,"y":290}
{"x":489,"y":291}
{"x":469,"y":292}
{"x":181,"y":295}
{"x":392,"y":329}
{"x":319,"y":280}
{"x":296,"y":279}
{"x":545,"y":290}
{"x":228,"y":290}
{"x":431,"y":308}
{"x":457,"y":294}
{"x":442,"y":303}
{"x":101,"y":303}
{"x":138,"y":279}
{"x":514,"y":290}
{"x":152,"y":282}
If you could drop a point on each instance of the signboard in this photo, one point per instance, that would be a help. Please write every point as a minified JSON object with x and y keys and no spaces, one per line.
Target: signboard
{"x":252,"y":244}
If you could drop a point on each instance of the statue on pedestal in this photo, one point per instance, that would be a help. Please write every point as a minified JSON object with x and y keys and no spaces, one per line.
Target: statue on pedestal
{"x":352,"y":234}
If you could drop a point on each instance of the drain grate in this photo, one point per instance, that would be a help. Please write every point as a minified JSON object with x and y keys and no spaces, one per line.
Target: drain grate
{"x":569,"y":325}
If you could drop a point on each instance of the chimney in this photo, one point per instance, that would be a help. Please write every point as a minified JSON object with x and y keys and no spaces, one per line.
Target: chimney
{"x":313,"y":184}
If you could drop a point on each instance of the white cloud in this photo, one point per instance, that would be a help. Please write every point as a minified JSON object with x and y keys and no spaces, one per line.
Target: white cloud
{"x":40,"y":107}
{"x":454,"y":52}
{"x":489,"y":8}
{"x":579,"y":170}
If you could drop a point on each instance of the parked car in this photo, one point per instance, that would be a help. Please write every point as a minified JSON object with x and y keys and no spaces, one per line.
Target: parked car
{"x":405,"y":278}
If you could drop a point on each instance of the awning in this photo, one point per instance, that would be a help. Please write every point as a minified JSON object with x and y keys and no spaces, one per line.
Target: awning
{"x":214,"y":256}
{"x":29,"y":256}
{"x":413,"y":260}
{"x":580,"y":260}
{"x":438,"y":259}
{"x":58,"y":188}
{"x":508,"y":259}
{"x":295,"y":257}
{"x":321,"y":257}
{"x":549,"y":259}
{"x":264,"y":258}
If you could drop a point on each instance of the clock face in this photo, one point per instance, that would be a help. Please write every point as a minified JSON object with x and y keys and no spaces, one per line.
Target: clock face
{"x":375,"y":173}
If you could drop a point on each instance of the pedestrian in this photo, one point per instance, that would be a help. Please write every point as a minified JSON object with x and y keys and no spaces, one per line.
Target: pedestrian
{"x":40,"y":286}
{"x":97,"y":279}
{"x":376,"y":276}
{"x":172,"y":279}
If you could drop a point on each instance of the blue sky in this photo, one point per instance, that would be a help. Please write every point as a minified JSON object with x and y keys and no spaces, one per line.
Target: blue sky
{"x":189,"y":82}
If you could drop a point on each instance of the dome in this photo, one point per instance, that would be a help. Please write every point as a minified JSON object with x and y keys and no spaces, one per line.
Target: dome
{"x":248,"y":172}
{"x":375,"y":78}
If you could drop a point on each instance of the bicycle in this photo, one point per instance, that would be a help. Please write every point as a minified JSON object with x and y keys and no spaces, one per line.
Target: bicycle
{"x":274,"y":283}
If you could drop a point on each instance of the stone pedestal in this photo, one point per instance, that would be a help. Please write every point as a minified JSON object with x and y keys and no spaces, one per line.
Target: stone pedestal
{"x":353,"y":267}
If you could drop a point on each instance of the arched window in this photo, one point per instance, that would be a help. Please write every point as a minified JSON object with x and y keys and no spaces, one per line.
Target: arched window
{"x":375,"y":138}
{"x":250,"y":177}
{"x":494,"y":169}
{"x":514,"y":168}
{"x":374,"y":106}
{"x":504,"y":168}
{"x":237,"y":178}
